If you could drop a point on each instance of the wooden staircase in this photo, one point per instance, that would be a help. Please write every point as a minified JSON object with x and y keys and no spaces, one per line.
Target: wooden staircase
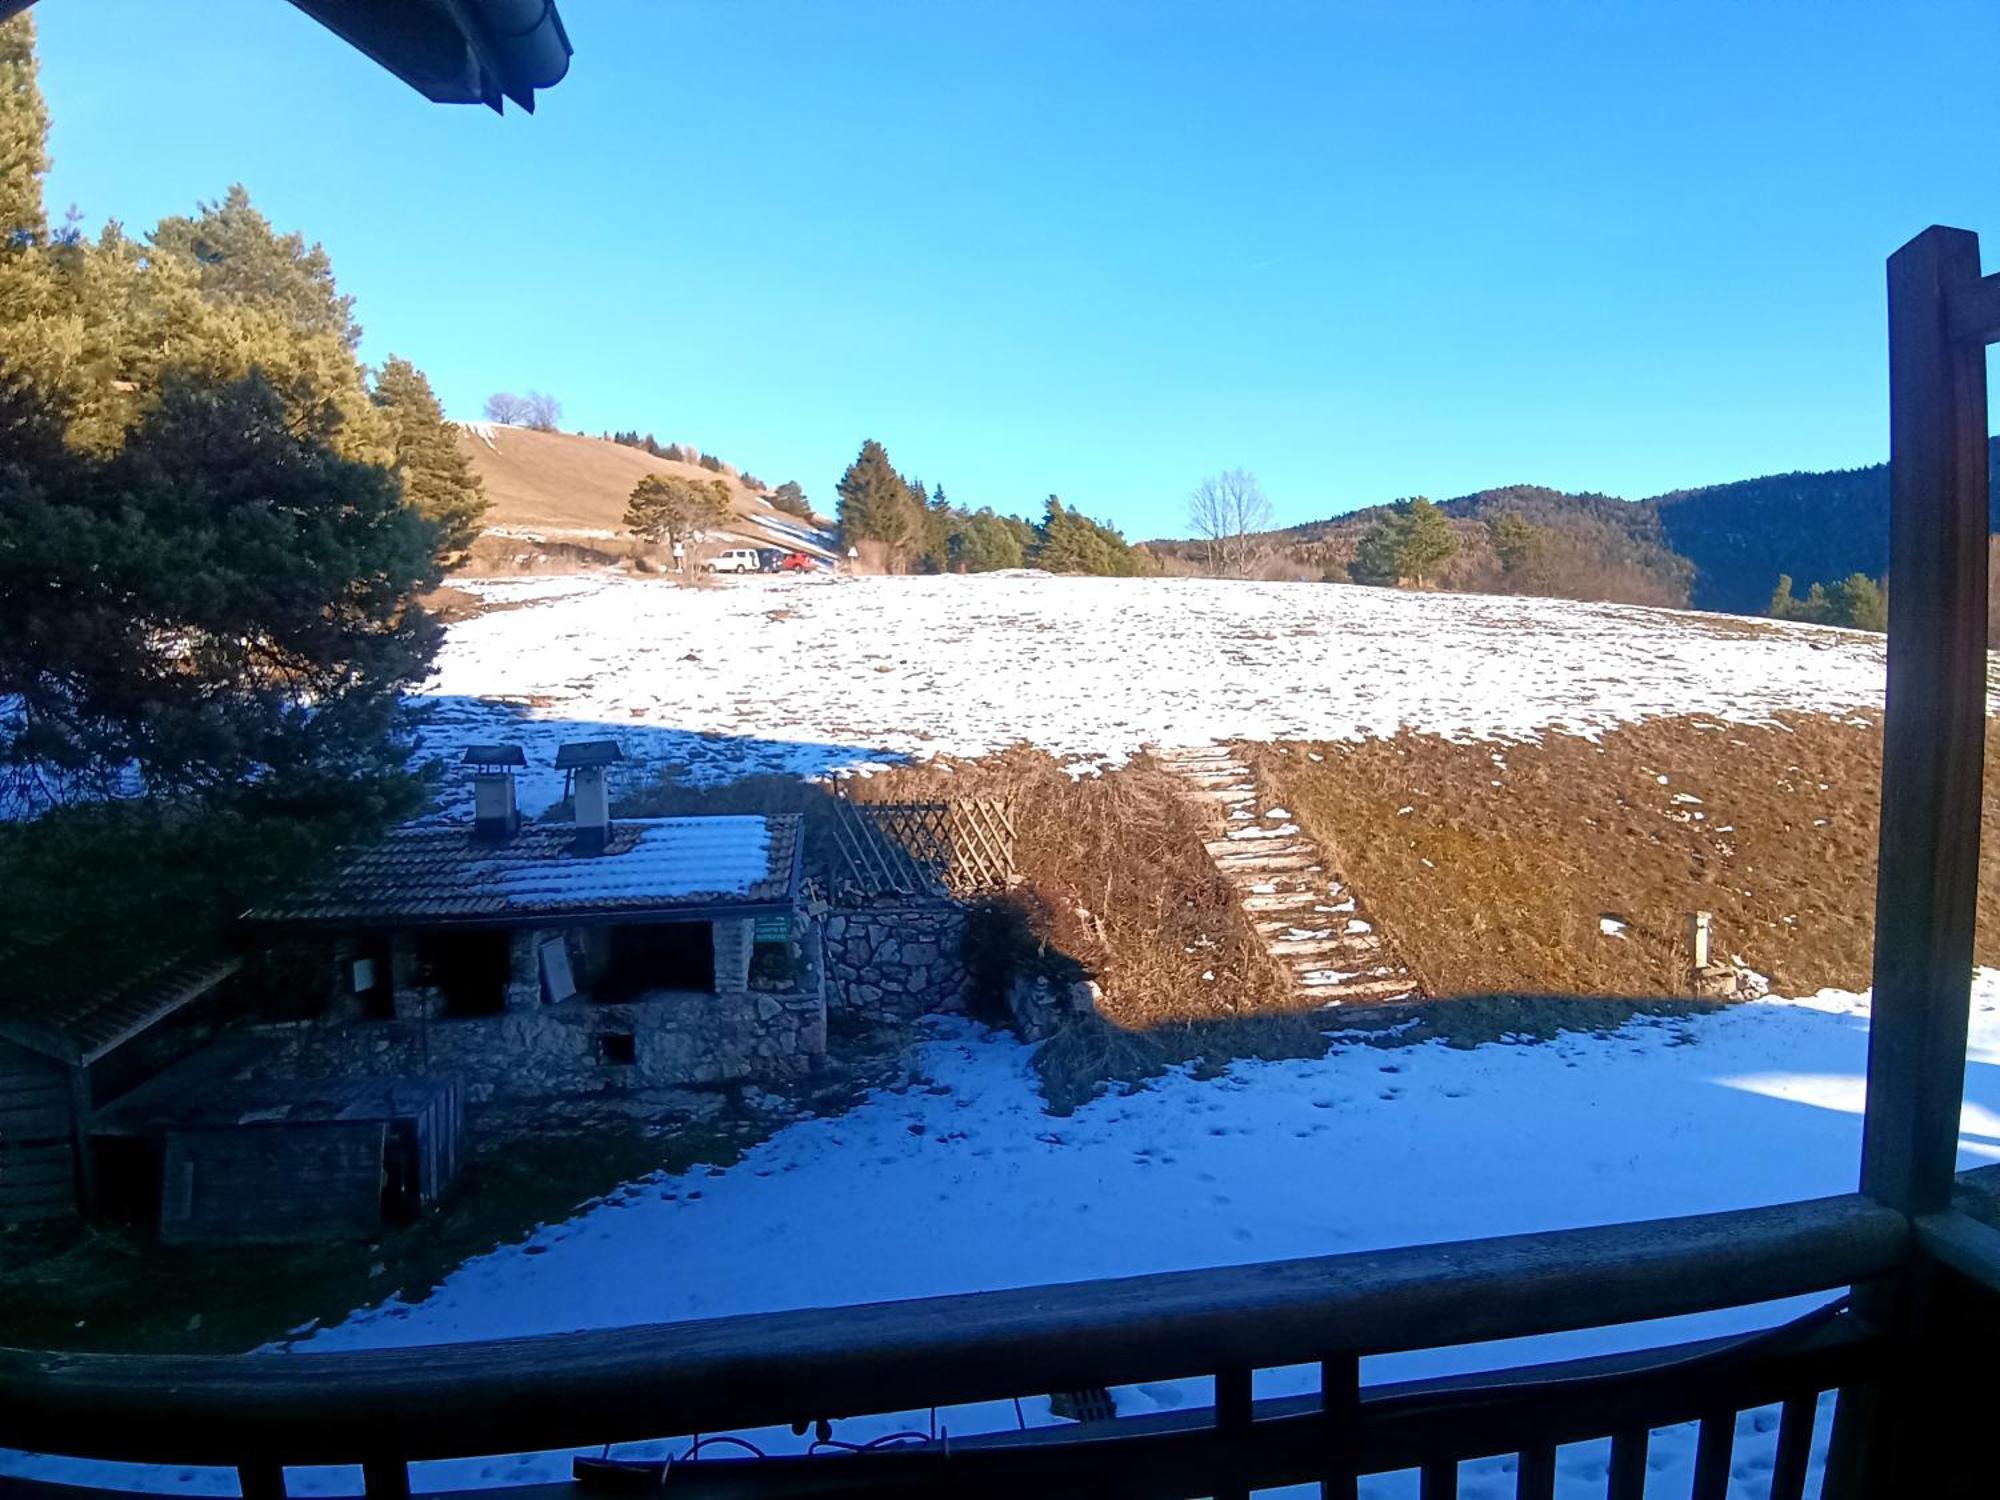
{"x":1308,"y":919}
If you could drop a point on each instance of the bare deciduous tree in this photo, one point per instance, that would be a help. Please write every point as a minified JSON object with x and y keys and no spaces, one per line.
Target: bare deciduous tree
{"x":505,"y":406}
{"x":1223,"y":510}
{"x":544,"y":411}
{"x":535,"y":409}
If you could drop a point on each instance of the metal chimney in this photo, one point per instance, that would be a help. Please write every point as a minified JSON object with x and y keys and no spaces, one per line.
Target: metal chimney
{"x":583,"y":763}
{"x":496,"y":816}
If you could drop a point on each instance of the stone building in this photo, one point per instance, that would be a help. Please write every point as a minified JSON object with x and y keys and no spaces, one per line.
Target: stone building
{"x":535,"y":960}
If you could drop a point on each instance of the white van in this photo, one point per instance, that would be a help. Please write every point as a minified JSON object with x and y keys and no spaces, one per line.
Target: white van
{"x":735,"y":560}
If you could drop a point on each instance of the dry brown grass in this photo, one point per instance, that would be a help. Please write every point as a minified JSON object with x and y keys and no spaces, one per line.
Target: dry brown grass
{"x":1114,"y":875}
{"x":1495,"y":878}
{"x":571,"y":491}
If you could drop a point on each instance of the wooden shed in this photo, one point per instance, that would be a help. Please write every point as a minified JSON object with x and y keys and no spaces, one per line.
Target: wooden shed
{"x":284,"y":1161}
{"x":56,"y":1067}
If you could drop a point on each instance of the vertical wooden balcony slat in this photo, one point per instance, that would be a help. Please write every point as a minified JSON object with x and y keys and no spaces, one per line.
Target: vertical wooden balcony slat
{"x":1340,"y":1404}
{"x":1795,"y":1430}
{"x":1628,"y":1464}
{"x":1536,"y":1477}
{"x":1714,"y":1447}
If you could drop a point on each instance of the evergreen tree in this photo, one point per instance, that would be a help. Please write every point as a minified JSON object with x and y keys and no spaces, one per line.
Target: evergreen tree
{"x":1428,"y":541}
{"x":226,"y":601}
{"x":243,"y":261}
{"x":1408,"y":543}
{"x":1861,"y":603}
{"x":983,"y":542}
{"x":1067,"y":541}
{"x":24,"y":133}
{"x":876,"y":505}
{"x":669,"y":508}
{"x":438,"y":477}
{"x":1521,"y":548}
{"x":790,"y":497}
{"x":1857,"y":602}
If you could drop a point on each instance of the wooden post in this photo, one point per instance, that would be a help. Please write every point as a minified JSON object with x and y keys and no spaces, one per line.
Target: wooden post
{"x":1934,"y":731}
{"x":1926,"y":884}
{"x":1700,"y":923}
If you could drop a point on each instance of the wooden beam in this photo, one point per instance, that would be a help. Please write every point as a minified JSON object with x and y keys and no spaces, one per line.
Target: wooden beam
{"x":713,"y":1375}
{"x":1968,"y":1246}
{"x":1974,"y":312}
{"x":1934,"y":732}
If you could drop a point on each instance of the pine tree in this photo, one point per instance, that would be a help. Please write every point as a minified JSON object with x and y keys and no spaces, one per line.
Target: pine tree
{"x":24,"y":133}
{"x":1408,"y":543}
{"x":1860,"y":603}
{"x":1428,"y":541}
{"x":670,"y":508}
{"x":1521,"y":548}
{"x":438,"y":477}
{"x":876,"y":505}
{"x":225,"y":601}
{"x":983,"y":542}
{"x":244,"y":261}
{"x":790,"y":497}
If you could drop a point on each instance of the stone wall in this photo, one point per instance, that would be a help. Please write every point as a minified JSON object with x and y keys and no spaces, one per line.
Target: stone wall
{"x":535,"y":1050}
{"x":577,"y":1047}
{"x":896,"y":961}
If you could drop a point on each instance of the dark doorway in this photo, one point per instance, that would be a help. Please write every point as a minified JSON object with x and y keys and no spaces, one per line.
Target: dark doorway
{"x":372,"y":971}
{"x":469,"y":969}
{"x":658,"y":956}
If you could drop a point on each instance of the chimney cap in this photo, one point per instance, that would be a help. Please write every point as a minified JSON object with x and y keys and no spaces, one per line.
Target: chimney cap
{"x":494,"y":755}
{"x":588,"y":753}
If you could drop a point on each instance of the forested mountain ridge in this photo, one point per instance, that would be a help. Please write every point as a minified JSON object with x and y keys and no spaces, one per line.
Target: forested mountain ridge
{"x":1817,"y":528}
{"x":1717,"y":547}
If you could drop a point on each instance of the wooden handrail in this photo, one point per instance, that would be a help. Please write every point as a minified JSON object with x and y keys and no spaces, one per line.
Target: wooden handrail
{"x":566,"y":1390}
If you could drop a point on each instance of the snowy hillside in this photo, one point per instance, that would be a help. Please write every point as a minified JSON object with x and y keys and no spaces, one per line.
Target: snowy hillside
{"x":811,"y":675}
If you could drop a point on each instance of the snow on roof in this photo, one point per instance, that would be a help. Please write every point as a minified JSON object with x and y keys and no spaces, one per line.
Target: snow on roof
{"x":421,"y":875}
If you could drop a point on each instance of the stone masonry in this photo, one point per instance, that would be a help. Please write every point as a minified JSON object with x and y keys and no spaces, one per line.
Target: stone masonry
{"x":896,"y":961}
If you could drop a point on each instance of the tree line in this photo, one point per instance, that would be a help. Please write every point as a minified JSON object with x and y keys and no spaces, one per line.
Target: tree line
{"x":897,"y":524}
{"x":216,"y":526}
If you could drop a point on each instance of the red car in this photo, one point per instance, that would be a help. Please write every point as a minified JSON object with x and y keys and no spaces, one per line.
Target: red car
{"x":797,"y":562}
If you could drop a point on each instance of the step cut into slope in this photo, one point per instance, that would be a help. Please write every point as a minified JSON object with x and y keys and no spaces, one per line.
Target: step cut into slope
{"x":1306,"y":917}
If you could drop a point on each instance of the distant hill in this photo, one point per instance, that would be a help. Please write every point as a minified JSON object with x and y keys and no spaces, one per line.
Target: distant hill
{"x":1717,"y":547}
{"x":1817,"y":527}
{"x":567,"y":493}
{"x":1598,"y":547}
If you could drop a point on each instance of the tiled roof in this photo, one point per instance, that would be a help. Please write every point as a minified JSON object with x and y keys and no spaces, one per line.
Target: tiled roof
{"x":424,"y":875}
{"x":80,"y":1028}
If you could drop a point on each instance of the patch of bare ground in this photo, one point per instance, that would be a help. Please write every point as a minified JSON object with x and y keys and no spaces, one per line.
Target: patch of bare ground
{"x":1567,"y":866}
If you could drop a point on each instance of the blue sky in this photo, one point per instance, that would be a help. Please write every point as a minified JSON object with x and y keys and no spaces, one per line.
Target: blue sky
{"x":1104,"y":249}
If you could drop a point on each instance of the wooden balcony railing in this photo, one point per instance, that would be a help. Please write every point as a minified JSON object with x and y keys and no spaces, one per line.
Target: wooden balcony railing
{"x":1924,"y":1278}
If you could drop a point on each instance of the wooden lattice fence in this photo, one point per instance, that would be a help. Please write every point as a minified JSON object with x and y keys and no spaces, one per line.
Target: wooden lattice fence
{"x":952,"y":848}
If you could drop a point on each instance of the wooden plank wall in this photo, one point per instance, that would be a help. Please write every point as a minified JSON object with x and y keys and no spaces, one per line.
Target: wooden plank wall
{"x":272,"y":1184}
{"x":37,"y":1151}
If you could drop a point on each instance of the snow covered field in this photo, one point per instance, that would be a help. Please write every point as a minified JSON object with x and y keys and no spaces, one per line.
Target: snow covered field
{"x":811,"y":675}
{"x":960,"y":1181}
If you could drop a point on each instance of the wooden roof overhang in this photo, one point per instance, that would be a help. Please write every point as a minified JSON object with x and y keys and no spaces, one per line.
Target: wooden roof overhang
{"x":77,"y":1030}
{"x":450,"y":51}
